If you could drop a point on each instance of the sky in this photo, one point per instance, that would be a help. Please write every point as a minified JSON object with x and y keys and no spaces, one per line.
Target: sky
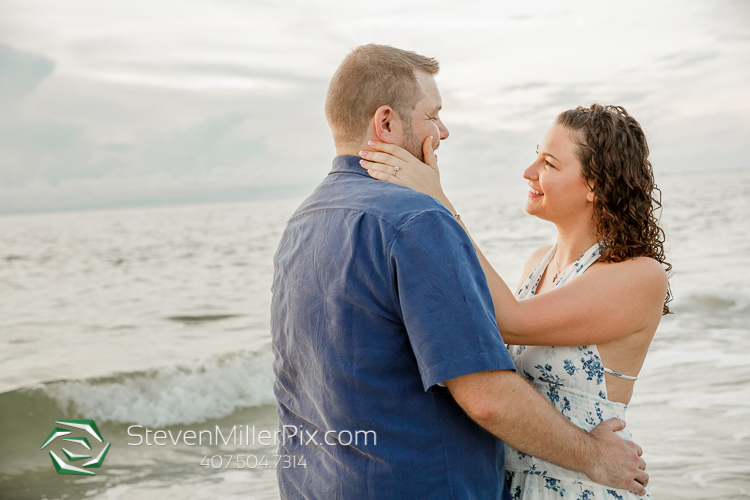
{"x":127,"y":103}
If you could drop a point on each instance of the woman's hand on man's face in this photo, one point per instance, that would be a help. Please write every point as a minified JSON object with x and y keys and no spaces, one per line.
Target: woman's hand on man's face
{"x":391,"y":163}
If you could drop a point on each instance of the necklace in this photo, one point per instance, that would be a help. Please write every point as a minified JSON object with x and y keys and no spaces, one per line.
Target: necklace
{"x":564,"y":268}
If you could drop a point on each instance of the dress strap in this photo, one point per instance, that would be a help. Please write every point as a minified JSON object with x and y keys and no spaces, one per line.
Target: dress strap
{"x":582,"y":263}
{"x":529,"y":287}
{"x":579,"y":266}
{"x":620,"y":375}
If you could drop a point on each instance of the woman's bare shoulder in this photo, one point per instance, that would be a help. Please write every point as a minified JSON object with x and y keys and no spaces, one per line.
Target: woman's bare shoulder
{"x":651,"y":271}
{"x":538,"y":254}
{"x":646,"y":267}
{"x":646,"y":272}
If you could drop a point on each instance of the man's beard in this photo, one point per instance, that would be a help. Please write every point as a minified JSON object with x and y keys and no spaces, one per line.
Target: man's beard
{"x":412,"y":143}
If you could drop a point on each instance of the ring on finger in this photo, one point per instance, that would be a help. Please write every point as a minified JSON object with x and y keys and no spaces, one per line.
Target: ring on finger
{"x":395,"y":171}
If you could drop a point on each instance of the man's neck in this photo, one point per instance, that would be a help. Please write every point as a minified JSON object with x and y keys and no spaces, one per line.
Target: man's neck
{"x":350,"y":149}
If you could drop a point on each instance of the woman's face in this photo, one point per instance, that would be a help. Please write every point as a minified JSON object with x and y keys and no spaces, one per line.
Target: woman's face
{"x":558,"y":192}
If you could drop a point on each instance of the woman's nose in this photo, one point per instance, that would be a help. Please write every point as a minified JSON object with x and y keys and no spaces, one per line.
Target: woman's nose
{"x":531,"y":173}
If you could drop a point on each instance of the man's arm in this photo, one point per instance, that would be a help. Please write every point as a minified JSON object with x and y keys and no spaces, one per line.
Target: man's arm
{"x":507,"y":406}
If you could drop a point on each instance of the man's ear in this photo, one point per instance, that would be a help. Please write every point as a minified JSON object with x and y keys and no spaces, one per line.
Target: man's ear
{"x":387,"y":125}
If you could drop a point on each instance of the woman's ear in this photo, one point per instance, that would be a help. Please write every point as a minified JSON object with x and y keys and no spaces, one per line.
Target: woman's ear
{"x":387,"y":125}
{"x":590,"y":196}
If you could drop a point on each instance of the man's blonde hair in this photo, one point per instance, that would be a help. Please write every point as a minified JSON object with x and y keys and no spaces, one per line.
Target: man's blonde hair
{"x":370,"y":77}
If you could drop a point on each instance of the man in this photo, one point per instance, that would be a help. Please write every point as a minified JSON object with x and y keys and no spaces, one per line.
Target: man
{"x":383,"y":327}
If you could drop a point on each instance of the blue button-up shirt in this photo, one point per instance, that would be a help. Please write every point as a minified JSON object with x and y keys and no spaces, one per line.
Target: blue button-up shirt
{"x":378,"y":296}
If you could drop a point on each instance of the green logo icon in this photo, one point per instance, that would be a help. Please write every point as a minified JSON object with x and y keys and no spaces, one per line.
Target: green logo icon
{"x":78,"y":444}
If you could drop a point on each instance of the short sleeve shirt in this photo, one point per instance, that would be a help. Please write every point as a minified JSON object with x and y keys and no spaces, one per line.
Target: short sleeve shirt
{"x":378,"y":296}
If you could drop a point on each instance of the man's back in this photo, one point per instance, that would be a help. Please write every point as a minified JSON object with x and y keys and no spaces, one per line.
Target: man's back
{"x":377,"y":297}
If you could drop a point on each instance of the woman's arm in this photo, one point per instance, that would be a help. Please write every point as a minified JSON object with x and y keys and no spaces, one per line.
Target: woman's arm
{"x":607,"y":302}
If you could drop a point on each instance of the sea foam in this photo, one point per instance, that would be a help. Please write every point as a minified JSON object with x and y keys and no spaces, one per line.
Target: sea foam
{"x":187,"y":393}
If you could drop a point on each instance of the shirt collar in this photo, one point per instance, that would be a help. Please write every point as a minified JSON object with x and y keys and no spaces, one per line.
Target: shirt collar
{"x":348,"y":164}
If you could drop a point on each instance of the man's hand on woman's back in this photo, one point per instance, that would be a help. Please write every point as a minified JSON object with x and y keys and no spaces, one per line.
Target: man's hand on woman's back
{"x":510,"y":408}
{"x":617,"y":458}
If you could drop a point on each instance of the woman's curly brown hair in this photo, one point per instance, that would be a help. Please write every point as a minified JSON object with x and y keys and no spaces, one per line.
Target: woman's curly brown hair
{"x":613,"y":152}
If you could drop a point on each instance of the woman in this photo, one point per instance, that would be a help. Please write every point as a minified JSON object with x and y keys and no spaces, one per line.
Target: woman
{"x":593,"y":180}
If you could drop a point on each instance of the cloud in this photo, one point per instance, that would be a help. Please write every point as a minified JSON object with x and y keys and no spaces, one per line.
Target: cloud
{"x":20,"y":74}
{"x":688,"y":59}
{"x":525,"y":86}
{"x":225,"y":99}
{"x":730,"y":20}
{"x":92,"y":143}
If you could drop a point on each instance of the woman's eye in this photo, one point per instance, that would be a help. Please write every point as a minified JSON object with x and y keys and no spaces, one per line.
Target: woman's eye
{"x":549,"y":164}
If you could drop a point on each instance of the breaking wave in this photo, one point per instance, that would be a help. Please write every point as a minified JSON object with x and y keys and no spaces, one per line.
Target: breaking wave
{"x":182,"y":394}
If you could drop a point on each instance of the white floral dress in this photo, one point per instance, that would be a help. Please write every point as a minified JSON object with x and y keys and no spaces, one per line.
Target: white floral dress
{"x":572,"y":379}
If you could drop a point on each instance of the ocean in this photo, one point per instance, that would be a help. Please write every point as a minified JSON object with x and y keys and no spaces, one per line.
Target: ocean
{"x":159,"y":318}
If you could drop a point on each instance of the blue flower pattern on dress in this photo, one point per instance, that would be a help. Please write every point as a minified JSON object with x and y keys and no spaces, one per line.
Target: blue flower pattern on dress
{"x":572,"y":379}
{"x":552,"y":380}
{"x":515,"y":494}
{"x":570,"y":367}
{"x":565,"y":406}
{"x":555,"y":485}
{"x":593,"y":422}
{"x":534,"y":471}
{"x":592,"y":365}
